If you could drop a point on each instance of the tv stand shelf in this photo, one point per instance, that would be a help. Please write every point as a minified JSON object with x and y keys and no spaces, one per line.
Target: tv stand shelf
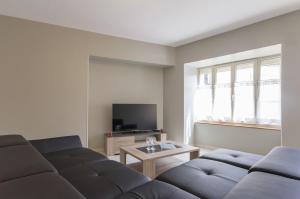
{"x":116,"y":140}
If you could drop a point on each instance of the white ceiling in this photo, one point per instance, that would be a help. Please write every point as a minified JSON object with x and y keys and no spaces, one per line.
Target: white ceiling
{"x":167,"y":22}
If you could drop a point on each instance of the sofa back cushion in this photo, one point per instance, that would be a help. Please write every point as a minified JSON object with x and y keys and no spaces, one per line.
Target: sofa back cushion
{"x":20,"y":161}
{"x":73,"y":157}
{"x":57,"y":144}
{"x":18,"y":158}
{"x":11,"y":140}
{"x":283,"y":161}
{"x":39,"y":186}
{"x":26,"y":174}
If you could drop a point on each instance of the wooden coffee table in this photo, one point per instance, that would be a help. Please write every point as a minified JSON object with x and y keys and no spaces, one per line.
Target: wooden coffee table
{"x":148,"y":159}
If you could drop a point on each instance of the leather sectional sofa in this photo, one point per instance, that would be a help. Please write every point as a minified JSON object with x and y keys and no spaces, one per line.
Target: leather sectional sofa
{"x":25,"y":174}
{"x":62,"y":168}
{"x":237,"y":175}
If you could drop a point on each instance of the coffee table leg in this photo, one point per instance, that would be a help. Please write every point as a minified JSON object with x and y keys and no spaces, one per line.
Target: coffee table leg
{"x":149,"y":168}
{"x":194,"y":154}
{"x":122,"y":157}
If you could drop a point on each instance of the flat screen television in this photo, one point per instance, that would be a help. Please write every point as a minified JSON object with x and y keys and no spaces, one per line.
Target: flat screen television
{"x":134,"y":117}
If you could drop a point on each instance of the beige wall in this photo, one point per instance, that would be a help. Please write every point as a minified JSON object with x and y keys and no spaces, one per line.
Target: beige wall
{"x":284,"y":29}
{"x":44,"y":75}
{"x":244,"y":139}
{"x":117,"y":82}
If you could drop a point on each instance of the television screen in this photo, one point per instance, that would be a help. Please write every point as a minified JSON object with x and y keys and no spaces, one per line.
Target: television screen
{"x":134,"y":117}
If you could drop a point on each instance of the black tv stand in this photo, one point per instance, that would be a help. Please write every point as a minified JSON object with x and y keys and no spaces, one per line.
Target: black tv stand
{"x":136,"y":131}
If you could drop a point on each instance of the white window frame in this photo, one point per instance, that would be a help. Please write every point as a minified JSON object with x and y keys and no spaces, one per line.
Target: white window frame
{"x":256,"y":79}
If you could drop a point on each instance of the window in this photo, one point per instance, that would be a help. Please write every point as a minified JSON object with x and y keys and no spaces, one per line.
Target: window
{"x":204,"y":95}
{"x":240,"y":92}
{"x":244,"y":110}
{"x":269,"y":92}
{"x":222,"y":99}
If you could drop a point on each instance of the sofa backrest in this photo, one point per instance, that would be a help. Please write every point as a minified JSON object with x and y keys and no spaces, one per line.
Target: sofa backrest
{"x":25,"y":173}
{"x":12,"y":140}
{"x":21,"y":160}
{"x":57,"y":144}
{"x":276,"y":176}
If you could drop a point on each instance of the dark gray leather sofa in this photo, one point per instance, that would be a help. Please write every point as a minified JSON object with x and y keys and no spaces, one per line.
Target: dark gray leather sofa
{"x":60,"y":168}
{"x":93,"y":175}
{"x":232,"y":174}
{"x":276,"y":176}
{"x":26,"y":174}
{"x":204,"y":178}
{"x":212,"y":175}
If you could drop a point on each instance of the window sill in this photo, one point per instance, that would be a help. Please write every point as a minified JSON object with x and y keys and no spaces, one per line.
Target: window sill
{"x":244,"y":125}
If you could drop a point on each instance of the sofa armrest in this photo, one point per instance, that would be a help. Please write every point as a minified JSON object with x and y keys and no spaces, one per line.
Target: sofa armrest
{"x":57,"y":144}
{"x":258,"y":185}
{"x":11,"y":140}
{"x":282,"y":161}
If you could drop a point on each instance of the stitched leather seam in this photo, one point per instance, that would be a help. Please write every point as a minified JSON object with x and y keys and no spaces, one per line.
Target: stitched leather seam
{"x":28,"y":175}
{"x":214,"y":174}
{"x":11,"y":145}
{"x":236,"y":164}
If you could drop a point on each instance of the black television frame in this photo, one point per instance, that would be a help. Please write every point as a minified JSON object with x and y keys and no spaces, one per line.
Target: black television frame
{"x":150,"y":109}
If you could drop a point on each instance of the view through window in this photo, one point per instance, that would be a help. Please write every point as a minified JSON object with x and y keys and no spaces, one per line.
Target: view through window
{"x":240,"y":92}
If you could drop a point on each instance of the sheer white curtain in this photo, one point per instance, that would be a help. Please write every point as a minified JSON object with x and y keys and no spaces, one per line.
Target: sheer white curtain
{"x":256,"y":92}
{"x":244,"y":99}
{"x":203,"y":96}
{"x":269,"y":101}
{"x":222,"y":98}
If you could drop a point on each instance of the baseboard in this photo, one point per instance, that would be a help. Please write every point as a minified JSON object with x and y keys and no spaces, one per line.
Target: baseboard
{"x":209,"y":147}
{"x":99,"y":150}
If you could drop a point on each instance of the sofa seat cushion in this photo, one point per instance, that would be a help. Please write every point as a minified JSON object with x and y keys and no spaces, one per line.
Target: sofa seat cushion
{"x":236,"y":158}
{"x":40,"y":186}
{"x":204,"y":178}
{"x":258,"y":185}
{"x":22,"y":160}
{"x":72,"y":157}
{"x":282,"y":161}
{"x":11,"y":140}
{"x":157,"y":190}
{"x":103,"y":179}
